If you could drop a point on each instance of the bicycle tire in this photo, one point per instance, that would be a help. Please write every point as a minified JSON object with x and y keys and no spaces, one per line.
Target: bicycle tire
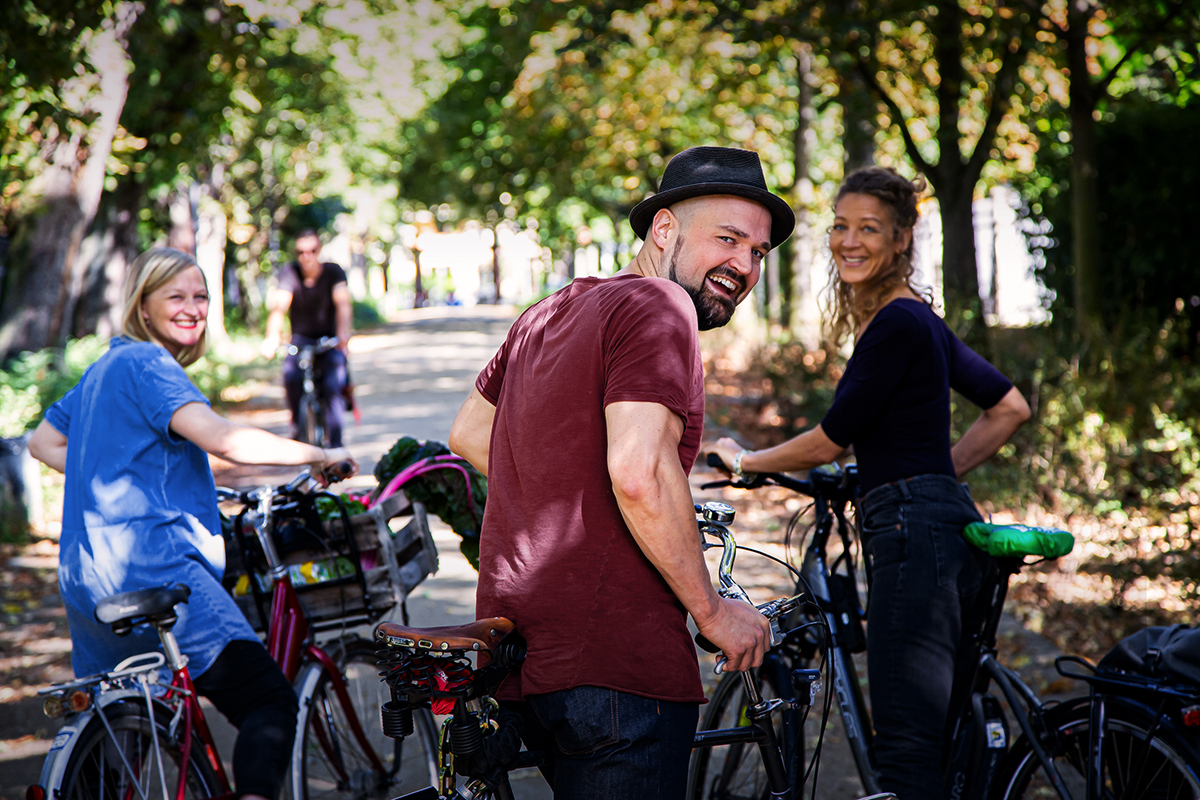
{"x":308,"y":428}
{"x":1169,"y":770}
{"x":736,"y":772}
{"x":96,"y":771}
{"x":325,"y":745}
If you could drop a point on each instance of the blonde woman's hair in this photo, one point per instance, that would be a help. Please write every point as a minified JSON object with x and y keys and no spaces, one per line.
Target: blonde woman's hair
{"x":849,"y":305}
{"x":148,"y":272}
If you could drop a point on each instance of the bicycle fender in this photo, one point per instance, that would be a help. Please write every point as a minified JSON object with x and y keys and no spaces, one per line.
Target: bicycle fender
{"x":306,"y":685}
{"x":55,"y":766}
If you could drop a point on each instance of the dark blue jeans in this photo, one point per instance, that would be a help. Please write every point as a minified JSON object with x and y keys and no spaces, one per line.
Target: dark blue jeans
{"x":601,"y":743}
{"x":925,"y":583}
{"x":330,"y":367}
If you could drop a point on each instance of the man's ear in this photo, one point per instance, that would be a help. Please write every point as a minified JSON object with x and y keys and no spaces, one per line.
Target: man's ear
{"x":661,"y":227}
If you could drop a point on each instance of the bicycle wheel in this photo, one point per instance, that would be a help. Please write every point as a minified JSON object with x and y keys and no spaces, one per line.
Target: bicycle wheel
{"x":308,"y":427}
{"x":1169,"y":769}
{"x":735,"y":771}
{"x":329,"y":761}
{"x":101,"y":766}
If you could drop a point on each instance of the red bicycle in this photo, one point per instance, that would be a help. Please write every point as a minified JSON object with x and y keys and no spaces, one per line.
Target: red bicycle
{"x":133,"y":732}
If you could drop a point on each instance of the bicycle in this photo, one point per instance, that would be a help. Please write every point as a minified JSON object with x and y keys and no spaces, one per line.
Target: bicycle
{"x":429,"y":667}
{"x":1083,"y":748}
{"x":122,"y":739}
{"x":310,"y":417}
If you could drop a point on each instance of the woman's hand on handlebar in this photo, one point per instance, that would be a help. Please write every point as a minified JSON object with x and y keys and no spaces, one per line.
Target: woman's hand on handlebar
{"x":725,"y":449}
{"x":740,"y":631}
{"x":337,"y":465}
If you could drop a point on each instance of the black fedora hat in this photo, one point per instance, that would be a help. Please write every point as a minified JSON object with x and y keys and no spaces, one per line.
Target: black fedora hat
{"x":700,"y":171}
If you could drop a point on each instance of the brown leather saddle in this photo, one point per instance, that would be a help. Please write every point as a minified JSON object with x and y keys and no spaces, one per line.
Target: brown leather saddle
{"x":482,"y":635}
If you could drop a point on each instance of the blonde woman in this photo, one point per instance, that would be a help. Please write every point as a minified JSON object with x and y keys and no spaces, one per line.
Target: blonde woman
{"x":140,"y":508}
{"x":893,"y":405}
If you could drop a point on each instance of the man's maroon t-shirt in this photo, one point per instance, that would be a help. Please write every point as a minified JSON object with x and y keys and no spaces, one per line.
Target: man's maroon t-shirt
{"x":555,"y":554}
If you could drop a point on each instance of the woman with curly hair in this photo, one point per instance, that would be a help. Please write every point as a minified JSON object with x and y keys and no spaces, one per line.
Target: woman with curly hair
{"x":893,"y":406}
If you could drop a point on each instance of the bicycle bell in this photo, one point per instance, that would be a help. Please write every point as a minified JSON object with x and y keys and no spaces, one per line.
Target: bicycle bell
{"x":720,"y":513}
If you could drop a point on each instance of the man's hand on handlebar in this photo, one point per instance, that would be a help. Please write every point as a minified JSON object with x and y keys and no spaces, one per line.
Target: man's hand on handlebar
{"x":740,"y":631}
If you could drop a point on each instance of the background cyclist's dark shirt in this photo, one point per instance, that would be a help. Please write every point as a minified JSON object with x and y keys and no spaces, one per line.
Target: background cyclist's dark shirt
{"x":893,"y":402}
{"x":312,"y":313}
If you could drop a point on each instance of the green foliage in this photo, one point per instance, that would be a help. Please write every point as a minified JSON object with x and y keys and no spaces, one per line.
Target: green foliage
{"x":367,"y":314}
{"x":32,"y":382}
{"x":1147,"y":265}
{"x":442,"y":491}
{"x":328,"y":508}
{"x":1113,"y":439}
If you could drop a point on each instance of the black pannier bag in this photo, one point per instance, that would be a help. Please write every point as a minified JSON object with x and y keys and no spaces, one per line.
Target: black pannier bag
{"x":1171,"y":652}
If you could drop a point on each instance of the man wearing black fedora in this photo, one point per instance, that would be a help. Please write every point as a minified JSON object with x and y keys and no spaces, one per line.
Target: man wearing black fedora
{"x":587,"y":422}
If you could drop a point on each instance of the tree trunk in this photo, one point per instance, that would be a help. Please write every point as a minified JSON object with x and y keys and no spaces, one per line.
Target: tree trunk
{"x":954,"y":179}
{"x":48,"y":282}
{"x":101,"y":304}
{"x":1085,"y":182}
{"x":210,"y":257}
{"x":960,"y":277}
{"x":858,"y":121}
{"x":800,"y":310}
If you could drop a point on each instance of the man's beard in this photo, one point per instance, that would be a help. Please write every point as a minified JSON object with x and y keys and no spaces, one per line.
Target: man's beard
{"x":712,"y":311}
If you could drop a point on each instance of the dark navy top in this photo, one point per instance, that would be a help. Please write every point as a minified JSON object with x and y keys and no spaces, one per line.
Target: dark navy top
{"x":893,"y":402}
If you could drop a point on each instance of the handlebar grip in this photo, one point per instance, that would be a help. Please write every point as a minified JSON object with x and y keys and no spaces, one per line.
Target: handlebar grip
{"x":704,"y":644}
{"x":339,"y":471}
{"x":715,"y":462}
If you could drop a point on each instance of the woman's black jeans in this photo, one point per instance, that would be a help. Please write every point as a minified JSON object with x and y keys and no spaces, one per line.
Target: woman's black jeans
{"x":924,"y":584}
{"x":246,"y":685}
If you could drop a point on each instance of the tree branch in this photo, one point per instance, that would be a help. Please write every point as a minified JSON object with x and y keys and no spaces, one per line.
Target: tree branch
{"x":897,"y":115}
{"x":1001,"y":100}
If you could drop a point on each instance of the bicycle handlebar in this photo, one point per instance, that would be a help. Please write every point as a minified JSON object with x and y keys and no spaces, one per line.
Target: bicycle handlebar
{"x":337,"y":472}
{"x":840,"y":485}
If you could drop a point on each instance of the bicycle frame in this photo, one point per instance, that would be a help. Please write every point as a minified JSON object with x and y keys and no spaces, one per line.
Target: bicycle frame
{"x":1022,"y":702}
{"x":288,"y":632}
{"x":815,"y":573}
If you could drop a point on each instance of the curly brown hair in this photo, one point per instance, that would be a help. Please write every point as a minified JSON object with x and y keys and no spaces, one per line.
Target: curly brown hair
{"x":849,"y":305}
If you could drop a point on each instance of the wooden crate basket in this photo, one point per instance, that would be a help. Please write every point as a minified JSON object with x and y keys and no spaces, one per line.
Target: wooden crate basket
{"x":393,"y":563}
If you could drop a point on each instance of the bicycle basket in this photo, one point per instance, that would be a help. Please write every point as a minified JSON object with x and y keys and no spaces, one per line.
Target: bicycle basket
{"x":339,"y":579}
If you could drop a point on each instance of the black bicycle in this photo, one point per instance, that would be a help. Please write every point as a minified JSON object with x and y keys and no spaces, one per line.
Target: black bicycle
{"x":429,"y":667}
{"x":310,"y":418}
{"x":1129,"y":738}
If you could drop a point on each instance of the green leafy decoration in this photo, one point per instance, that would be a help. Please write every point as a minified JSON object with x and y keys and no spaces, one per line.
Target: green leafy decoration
{"x":443,"y":492}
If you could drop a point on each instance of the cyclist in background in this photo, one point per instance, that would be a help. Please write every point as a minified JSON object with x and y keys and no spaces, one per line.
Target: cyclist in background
{"x":314,"y":296}
{"x":140,"y":509}
{"x":893,"y":405}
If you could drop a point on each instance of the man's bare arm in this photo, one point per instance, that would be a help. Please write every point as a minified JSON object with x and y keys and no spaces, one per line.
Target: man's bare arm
{"x":345,"y":314}
{"x":654,"y":497}
{"x":471,"y":431}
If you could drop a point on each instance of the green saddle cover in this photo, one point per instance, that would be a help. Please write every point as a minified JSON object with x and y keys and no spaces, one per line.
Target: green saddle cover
{"x":1003,"y":541}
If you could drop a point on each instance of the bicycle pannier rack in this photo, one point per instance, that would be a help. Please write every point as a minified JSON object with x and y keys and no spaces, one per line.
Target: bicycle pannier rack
{"x":330,"y":571}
